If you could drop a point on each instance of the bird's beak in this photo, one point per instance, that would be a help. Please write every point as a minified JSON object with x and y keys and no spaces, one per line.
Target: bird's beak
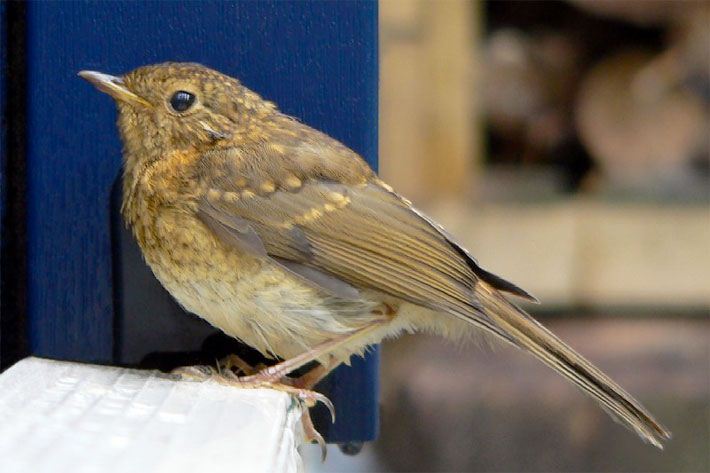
{"x":114,"y":86}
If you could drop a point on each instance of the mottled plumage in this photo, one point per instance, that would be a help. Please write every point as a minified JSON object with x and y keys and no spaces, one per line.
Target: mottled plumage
{"x":284,"y":238}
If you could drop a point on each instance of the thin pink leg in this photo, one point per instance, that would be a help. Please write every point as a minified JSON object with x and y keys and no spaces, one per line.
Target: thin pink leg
{"x":278,"y":371}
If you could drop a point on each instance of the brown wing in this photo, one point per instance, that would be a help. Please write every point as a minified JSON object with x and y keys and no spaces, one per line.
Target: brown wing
{"x":357,"y":232}
{"x":362,"y":235}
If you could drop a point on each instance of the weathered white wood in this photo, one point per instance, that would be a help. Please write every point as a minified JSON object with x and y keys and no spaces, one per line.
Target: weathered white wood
{"x":70,"y":417}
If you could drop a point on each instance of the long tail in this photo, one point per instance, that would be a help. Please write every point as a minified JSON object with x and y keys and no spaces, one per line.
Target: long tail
{"x":528,"y":334}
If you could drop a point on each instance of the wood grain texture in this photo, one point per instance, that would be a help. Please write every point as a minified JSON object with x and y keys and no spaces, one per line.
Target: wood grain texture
{"x":317,"y":60}
{"x":429,"y":78}
{"x":115,"y":420}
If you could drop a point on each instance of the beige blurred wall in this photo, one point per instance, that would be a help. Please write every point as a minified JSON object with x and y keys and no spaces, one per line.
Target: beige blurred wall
{"x":587,"y":253}
{"x":571,"y":251}
{"x":429,"y":137}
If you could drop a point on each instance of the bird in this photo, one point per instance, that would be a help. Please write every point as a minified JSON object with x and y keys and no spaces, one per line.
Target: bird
{"x":285,"y":239}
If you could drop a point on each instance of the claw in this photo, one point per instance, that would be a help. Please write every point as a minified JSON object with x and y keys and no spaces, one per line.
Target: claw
{"x":308,"y":397}
{"x":328,"y":404}
{"x":312,"y":434}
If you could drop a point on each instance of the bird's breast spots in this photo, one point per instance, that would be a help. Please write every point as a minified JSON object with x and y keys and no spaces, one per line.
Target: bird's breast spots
{"x":182,"y":230}
{"x":183,"y":245}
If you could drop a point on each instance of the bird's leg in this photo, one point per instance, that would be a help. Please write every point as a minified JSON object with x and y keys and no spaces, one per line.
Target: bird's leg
{"x":224,"y":374}
{"x":316,"y":375}
{"x":278,"y":371}
{"x":232,"y":366}
{"x":275,"y":377}
{"x":306,"y":382}
{"x":228,"y":364}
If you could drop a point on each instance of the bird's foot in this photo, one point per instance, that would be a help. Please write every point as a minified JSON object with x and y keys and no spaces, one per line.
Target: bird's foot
{"x":225,"y":374}
{"x":194,"y":373}
{"x":235,"y":364}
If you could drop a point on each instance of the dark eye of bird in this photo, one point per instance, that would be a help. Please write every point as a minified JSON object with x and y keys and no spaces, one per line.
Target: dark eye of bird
{"x":181,"y":100}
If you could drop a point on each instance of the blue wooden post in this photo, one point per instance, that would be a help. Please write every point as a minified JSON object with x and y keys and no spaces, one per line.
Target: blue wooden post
{"x":317,"y":60}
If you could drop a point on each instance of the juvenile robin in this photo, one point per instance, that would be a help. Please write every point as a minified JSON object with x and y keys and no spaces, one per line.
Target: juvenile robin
{"x":285,"y":239}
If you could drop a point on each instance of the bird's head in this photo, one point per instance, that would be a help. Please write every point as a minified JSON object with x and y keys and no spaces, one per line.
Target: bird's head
{"x":177,"y":106}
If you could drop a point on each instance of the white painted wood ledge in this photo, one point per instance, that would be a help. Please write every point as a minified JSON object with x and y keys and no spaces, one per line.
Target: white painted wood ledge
{"x":60,"y":417}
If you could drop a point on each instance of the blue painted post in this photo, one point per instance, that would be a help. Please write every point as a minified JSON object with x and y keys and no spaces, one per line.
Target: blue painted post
{"x":317,"y":60}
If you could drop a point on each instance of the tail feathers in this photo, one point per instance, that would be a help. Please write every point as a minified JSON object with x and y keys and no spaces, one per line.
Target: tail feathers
{"x":528,"y":334}
{"x":503,"y":285}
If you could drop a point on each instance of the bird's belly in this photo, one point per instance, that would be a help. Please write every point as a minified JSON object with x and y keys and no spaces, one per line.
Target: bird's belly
{"x":268,"y":311}
{"x":246,"y":297}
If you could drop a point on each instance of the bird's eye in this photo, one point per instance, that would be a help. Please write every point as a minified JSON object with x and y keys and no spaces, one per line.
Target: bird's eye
{"x":181,"y":100}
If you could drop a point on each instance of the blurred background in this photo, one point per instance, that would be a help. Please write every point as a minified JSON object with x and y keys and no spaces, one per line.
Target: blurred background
{"x":566,"y":144}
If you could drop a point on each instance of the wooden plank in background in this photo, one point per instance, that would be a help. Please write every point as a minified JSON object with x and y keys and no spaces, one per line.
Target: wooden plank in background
{"x":430,"y":142}
{"x":592,"y":254}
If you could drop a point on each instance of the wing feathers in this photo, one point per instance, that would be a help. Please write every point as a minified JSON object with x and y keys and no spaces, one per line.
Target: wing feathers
{"x":360,"y":234}
{"x":356,"y":231}
{"x":351,"y":233}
